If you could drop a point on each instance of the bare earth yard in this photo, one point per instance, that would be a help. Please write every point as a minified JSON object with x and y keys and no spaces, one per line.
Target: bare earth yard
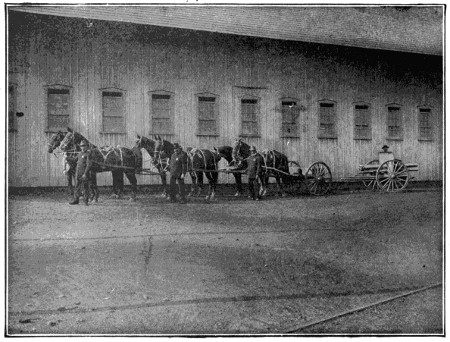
{"x":232,"y":266}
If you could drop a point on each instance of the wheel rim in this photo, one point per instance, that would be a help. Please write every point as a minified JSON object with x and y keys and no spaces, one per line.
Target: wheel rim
{"x":318,"y":178}
{"x":372,"y":183}
{"x":392,"y":176}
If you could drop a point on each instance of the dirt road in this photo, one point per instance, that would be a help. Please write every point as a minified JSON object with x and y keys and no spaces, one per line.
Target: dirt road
{"x":225,"y":267}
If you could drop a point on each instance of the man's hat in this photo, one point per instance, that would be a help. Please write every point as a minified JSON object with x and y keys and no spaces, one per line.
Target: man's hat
{"x":176,"y":145}
{"x":252,"y":148}
{"x":385,"y":146}
{"x":84,"y":143}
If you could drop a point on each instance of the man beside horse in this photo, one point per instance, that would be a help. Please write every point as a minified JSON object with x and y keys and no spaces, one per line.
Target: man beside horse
{"x":254,"y":172}
{"x":82,"y":174}
{"x":178,"y":169}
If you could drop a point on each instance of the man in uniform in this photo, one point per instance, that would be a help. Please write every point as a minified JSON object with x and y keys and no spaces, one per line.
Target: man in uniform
{"x":82,"y":174}
{"x":254,"y":171}
{"x":178,"y":169}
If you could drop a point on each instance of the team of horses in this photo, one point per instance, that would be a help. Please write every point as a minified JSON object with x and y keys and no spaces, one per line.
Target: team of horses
{"x":201,"y":162}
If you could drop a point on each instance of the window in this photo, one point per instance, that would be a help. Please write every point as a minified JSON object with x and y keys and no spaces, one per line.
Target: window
{"x":58,"y":108}
{"x":162,"y":112}
{"x":249,"y":116}
{"x":327,"y":120}
{"x":425,"y":124}
{"x":362,"y":119}
{"x":207,"y":114}
{"x":113,"y":111}
{"x":289,"y":118}
{"x":12,"y":107}
{"x":394,"y":122}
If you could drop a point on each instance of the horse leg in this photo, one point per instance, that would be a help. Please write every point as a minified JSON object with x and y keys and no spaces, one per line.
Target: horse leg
{"x":199,"y":176}
{"x":133,"y":181}
{"x":165,"y":193}
{"x":194,"y":183}
{"x":93,"y":187}
{"x":197,"y":183}
{"x":211,"y":185}
{"x":70,"y":174}
{"x":117,"y":183}
{"x":238,"y":179}
{"x":264,"y":183}
{"x":281,"y":192}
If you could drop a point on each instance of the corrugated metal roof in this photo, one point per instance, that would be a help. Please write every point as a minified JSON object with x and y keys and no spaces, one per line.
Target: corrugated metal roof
{"x":416,"y":29}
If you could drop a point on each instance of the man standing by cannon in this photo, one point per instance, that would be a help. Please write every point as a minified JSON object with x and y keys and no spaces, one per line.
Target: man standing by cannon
{"x":82,"y":174}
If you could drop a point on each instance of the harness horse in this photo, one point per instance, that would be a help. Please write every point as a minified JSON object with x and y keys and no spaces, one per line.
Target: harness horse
{"x":275,"y":165}
{"x":118,"y":160}
{"x":202,"y":161}
{"x":226,"y":152}
{"x":70,"y":159}
{"x":160,"y":152}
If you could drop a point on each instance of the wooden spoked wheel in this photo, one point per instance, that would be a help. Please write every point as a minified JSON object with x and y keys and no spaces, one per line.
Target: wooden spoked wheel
{"x":318,"y":178}
{"x":371,"y":183}
{"x":392,"y":176}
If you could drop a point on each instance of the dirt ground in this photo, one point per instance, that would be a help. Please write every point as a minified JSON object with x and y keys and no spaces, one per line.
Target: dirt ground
{"x":231,"y":266}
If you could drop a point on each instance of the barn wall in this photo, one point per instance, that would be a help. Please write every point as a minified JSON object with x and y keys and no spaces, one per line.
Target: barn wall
{"x":90,"y":55}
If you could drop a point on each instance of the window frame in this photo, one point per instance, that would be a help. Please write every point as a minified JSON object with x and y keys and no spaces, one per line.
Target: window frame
{"x":320,"y":134}
{"x":283,"y":133}
{"x":216,"y":114}
{"x":58,"y":87}
{"x":430,"y":120}
{"x":171,"y":130}
{"x":357,"y":136}
{"x":258,"y":116}
{"x":123,"y":116}
{"x":398,"y":137}
{"x":12,"y":127}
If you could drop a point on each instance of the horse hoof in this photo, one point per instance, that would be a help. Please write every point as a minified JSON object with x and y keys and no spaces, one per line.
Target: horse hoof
{"x":207,"y":198}
{"x":132,"y":199}
{"x":237,"y":194}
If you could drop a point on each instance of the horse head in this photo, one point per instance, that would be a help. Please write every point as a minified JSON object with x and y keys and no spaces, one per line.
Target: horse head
{"x":163,"y":148}
{"x":67,"y":144}
{"x":55,"y":141}
{"x":71,"y":141}
{"x":241,"y":151}
{"x":225,"y":152}
{"x":147,"y":144}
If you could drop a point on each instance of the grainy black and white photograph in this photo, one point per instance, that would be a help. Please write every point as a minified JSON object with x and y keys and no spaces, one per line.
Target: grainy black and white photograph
{"x":199,"y":169}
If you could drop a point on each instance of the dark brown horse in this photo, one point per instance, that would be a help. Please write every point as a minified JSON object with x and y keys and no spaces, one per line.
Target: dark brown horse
{"x":202,"y":161}
{"x":160,"y":158}
{"x":226,"y":152}
{"x":275,"y":165}
{"x":118,"y":160}
{"x":70,"y":159}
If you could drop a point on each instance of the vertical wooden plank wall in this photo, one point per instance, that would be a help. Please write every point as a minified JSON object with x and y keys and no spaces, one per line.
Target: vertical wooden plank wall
{"x":137,"y":61}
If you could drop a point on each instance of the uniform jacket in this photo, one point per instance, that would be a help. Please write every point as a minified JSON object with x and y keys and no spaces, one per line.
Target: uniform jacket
{"x":254,"y":166}
{"x":178,"y":164}
{"x":84,"y":163}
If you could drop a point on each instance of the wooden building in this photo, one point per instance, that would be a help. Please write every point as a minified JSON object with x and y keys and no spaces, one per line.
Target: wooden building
{"x":114,"y":72}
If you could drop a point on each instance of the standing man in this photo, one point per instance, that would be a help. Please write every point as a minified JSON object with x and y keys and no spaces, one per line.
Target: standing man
{"x":83,"y":170}
{"x":254,"y":171}
{"x":178,"y":169}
